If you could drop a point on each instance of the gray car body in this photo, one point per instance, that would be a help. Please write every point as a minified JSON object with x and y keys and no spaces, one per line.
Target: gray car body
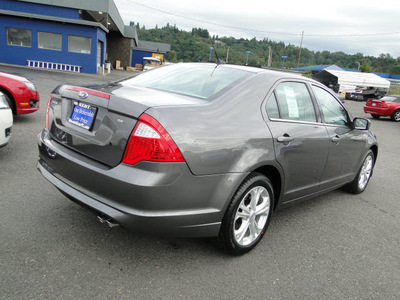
{"x":222,"y":141}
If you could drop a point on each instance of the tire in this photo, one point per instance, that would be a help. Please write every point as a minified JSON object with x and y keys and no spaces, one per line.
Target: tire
{"x":375,"y":116}
{"x":396,"y":116}
{"x":359,"y":184}
{"x":10,"y":103}
{"x":247,"y":216}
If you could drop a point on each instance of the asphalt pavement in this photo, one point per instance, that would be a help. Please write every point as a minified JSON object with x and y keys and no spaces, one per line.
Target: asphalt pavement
{"x":337,"y":246}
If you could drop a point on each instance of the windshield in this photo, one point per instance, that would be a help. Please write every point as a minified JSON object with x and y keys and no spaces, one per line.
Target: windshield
{"x":202,"y":81}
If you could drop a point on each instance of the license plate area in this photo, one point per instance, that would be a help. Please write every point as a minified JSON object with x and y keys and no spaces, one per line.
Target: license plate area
{"x":83,"y":115}
{"x":373,"y":104}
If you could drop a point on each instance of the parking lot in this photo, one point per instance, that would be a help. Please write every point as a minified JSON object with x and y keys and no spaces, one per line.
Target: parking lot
{"x":337,"y":246}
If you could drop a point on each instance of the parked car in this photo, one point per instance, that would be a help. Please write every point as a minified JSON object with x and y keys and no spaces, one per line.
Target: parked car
{"x":20,"y":93}
{"x":388,"y":106}
{"x":6,"y":121}
{"x":202,"y":150}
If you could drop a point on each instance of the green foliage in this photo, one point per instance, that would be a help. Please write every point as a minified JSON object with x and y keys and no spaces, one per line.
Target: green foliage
{"x":308,"y":73}
{"x":195,"y":46}
{"x":366,"y":68}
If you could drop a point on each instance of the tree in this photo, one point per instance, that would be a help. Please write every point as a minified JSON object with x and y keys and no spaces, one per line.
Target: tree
{"x":365,"y":68}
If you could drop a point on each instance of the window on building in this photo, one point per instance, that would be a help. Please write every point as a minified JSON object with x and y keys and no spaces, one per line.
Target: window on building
{"x":19,"y":37}
{"x":48,"y":40}
{"x":79,"y":44}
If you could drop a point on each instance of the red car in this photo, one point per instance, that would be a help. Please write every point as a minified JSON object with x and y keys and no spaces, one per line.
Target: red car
{"x":20,"y":93}
{"x":388,"y":106}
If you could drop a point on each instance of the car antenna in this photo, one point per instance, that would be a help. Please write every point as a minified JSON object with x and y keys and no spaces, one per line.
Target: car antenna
{"x":216,"y":55}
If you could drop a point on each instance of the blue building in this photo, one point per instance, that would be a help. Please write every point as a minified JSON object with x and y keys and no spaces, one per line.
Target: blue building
{"x":71,"y":35}
{"x":149,"y":49}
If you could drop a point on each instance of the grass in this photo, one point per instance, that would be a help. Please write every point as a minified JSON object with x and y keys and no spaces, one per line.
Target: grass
{"x":394,"y":90}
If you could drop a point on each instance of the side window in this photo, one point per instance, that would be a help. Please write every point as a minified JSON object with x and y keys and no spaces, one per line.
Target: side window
{"x":272,"y":107}
{"x":333,"y":111}
{"x":294,"y":102}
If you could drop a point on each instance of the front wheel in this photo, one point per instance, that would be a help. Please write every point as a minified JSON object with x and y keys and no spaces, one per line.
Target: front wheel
{"x":396,"y":116}
{"x":359,"y":184}
{"x":247,"y":216}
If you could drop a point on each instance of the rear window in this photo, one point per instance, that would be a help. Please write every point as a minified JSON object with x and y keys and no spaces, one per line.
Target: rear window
{"x":201,"y":81}
{"x":391,"y":99}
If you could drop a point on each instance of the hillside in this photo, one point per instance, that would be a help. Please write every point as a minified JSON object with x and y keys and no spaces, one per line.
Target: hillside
{"x":195,"y":46}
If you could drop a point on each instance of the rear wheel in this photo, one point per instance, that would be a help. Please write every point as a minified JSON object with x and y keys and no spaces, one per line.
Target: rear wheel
{"x":247,"y":216}
{"x":375,"y":116}
{"x":359,"y":184}
{"x":396,"y":116}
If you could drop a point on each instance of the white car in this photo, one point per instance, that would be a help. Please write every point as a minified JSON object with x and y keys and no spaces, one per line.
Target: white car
{"x":6,"y":121}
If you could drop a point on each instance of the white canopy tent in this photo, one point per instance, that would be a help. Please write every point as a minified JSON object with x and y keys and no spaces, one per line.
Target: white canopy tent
{"x":347,"y":78}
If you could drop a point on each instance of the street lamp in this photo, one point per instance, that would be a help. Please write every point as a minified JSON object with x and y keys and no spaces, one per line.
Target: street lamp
{"x":283,"y":60}
{"x":211,"y":48}
{"x":247,"y":57}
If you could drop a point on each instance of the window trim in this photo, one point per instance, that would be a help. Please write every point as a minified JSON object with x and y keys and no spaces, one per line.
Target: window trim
{"x":322,"y":116}
{"x":80,"y":36}
{"x":51,"y":33}
{"x":315,"y":105}
{"x":8,"y":44}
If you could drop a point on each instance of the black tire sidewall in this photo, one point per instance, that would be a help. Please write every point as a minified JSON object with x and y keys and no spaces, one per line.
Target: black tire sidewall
{"x":353,"y":187}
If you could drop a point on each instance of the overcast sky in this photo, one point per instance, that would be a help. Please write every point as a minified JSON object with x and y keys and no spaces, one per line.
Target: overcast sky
{"x":351,"y":26}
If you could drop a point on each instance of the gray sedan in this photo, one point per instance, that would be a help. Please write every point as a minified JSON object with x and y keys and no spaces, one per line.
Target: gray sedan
{"x":202,"y":150}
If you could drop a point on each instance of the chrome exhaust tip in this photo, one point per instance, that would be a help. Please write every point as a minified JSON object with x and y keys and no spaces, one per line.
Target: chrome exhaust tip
{"x":110,"y":222}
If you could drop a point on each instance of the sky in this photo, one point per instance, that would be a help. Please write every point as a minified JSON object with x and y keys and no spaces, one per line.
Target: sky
{"x":351,"y":26}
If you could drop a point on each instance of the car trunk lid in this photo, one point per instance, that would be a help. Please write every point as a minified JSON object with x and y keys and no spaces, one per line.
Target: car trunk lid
{"x":97,"y":122}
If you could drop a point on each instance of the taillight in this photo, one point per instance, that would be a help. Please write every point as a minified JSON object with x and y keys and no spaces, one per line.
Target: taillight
{"x":47,"y":112}
{"x":382,"y":104}
{"x":369,"y":102}
{"x":150,"y":141}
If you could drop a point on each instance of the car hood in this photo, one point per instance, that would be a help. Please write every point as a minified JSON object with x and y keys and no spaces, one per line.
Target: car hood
{"x":15,"y":77}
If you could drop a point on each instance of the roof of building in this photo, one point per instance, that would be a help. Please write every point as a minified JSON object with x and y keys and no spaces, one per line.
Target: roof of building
{"x":153,"y":47}
{"x":51,"y":18}
{"x":97,"y":9}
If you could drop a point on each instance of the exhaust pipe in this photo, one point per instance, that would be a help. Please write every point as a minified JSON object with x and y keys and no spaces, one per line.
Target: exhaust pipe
{"x":110,"y":222}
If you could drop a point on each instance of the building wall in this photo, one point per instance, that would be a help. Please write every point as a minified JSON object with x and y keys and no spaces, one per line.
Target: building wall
{"x":40,"y":9}
{"x":137,"y":56}
{"x":19,"y":55}
{"x":119,"y":48}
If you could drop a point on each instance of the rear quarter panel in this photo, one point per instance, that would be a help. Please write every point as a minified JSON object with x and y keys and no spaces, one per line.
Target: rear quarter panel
{"x":225,"y":135}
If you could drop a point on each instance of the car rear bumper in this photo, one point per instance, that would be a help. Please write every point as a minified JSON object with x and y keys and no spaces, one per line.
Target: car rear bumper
{"x":148,"y":197}
{"x":376,"y":110}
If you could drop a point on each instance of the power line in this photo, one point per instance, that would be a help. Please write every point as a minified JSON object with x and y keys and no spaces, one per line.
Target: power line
{"x":262,"y":31}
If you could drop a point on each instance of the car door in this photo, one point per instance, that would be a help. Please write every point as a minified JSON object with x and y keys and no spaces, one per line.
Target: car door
{"x":345,"y":144}
{"x":300,"y":141}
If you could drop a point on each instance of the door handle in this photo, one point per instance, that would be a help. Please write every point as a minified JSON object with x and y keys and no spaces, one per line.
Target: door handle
{"x":336,"y":139}
{"x":286,"y":139}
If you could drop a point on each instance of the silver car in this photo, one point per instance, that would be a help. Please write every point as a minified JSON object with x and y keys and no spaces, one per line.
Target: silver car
{"x":202,"y":150}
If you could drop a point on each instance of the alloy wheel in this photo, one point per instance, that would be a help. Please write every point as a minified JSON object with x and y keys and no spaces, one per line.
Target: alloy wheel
{"x":251,"y":215}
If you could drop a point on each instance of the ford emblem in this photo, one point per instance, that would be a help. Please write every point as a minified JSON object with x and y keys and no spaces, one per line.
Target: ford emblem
{"x":83,"y":95}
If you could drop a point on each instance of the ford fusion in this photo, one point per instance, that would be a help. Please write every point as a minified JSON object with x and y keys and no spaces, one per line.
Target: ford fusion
{"x":202,"y":150}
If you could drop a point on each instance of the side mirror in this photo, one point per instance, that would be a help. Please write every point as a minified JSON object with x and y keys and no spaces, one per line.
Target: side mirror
{"x":361,"y":123}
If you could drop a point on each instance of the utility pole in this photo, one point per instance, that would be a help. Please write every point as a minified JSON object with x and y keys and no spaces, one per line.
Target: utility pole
{"x":227,"y":54}
{"x":301,"y":45}
{"x":269,"y":63}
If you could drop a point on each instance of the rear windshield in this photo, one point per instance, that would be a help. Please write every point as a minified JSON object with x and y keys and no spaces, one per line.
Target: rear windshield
{"x":391,"y":99}
{"x":202,"y":81}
